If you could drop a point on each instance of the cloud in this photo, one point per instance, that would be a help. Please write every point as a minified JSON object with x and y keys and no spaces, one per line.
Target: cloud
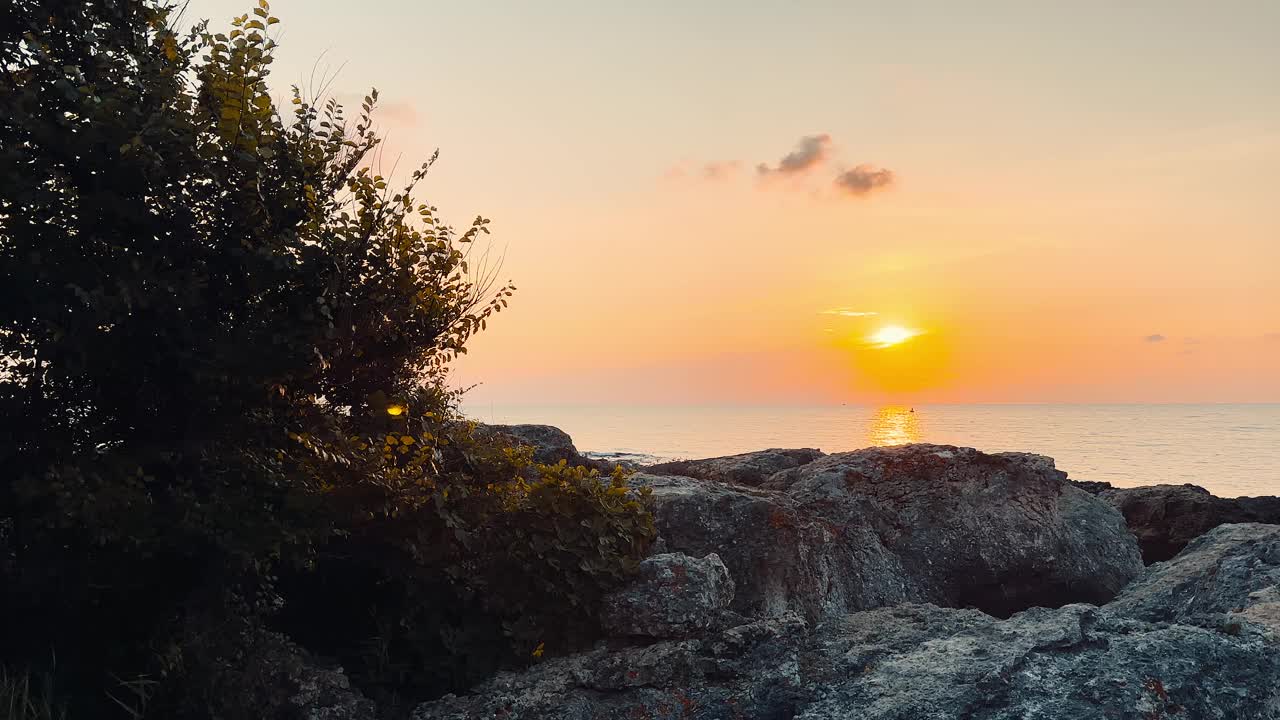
{"x":714,"y":171}
{"x":809,"y":153}
{"x":1272,"y":336}
{"x":1157,"y":337}
{"x":846,"y":312}
{"x":720,"y":170}
{"x":398,"y":114}
{"x":863,"y":179}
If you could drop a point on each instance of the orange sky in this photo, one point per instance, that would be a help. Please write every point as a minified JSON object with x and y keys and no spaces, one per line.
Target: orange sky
{"x":1081,"y":202}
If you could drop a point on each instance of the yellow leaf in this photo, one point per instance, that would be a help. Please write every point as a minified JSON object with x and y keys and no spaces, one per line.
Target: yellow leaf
{"x":537,"y":652}
{"x":407,"y":439}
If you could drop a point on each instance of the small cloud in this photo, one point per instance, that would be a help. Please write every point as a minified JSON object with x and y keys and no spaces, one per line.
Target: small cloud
{"x":846,"y":312}
{"x":398,"y":113}
{"x":675,"y":172}
{"x":1272,"y":336}
{"x":1157,"y":337}
{"x":863,"y":179}
{"x":707,"y":171}
{"x":809,"y":153}
{"x":720,"y":170}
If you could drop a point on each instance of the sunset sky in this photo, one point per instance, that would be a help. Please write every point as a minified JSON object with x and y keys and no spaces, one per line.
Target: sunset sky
{"x":713,"y":201}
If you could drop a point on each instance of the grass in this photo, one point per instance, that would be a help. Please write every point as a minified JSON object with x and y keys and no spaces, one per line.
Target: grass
{"x":19,"y":700}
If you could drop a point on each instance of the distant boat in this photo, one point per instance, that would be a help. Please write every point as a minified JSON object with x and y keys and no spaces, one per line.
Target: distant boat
{"x":913,"y":409}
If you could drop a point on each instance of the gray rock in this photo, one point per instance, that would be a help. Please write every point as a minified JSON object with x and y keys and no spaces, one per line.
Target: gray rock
{"x":753,"y":468}
{"x":778,"y":559}
{"x":281,"y":679}
{"x":1167,"y":517}
{"x":550,"y":444}
{"x":916,"y":662}
{"x":750,"y":671}
{"x":1228,"y":575}
{"x":1073,"y":662}
{"x":673,"y":595}
{"x":916,"y":523}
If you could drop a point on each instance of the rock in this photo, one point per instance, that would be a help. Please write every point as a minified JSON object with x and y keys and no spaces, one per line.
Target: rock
{"x":916,"y":523}
{"x":779,"y":560}
{"x":1229,"y":574}
{"x":550,"y":444}
{"x":1167,"y":517}
{"x":325,"y":694}
{"x":1072,"y":662}
{"x":1134,"y":658}
{"x":276,"y":678}
{"x":753,"y":468}
{"x":751,"y":671}
{"x":1093,"y":487}
{"x":674,"y":595}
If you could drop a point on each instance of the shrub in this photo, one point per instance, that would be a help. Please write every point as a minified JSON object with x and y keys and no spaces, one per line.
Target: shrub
{"x":477,"y":563}
{"x":223,"y":353}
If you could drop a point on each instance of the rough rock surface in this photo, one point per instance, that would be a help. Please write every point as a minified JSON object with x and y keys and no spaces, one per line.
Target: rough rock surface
{"x":1228,"y":575}
{"x":916,"y":523}
{"x":753,"y":468}
{"x":292,"y":683}
{"x":1167,"y":517}
{"x":672,"y":596}
{"x":550,"y":444}
{"x":1135,"y":658}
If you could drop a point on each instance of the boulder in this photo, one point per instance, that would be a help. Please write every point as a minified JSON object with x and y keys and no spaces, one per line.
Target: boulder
{"x":273,"y":677}
{"x":1134,"y":658}
{"x":753,"y":468}
{"x":1228,"y":575}
{"x":673,"y":595}
{"x":1167,"y":517}
{"x":1074,"y":662}
{"x":750,"y":671}
{"x":915,"y":523}
{"x":550,"y":444}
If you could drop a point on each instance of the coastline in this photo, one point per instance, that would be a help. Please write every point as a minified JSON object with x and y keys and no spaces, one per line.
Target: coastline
{"x":917,"y":580}
{"x":1232,"y":449}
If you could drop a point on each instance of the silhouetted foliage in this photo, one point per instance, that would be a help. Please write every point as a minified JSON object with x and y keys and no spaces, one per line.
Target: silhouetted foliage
{"x":223,"y":342}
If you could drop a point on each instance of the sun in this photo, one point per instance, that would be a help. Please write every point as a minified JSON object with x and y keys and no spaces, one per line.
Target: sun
{"x":891,"y":335}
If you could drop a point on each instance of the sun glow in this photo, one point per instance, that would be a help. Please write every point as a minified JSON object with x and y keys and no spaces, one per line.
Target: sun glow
{"x":891,"y":335}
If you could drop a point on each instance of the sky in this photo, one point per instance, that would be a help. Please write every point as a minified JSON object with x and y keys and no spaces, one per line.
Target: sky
{"x":720,"y":202}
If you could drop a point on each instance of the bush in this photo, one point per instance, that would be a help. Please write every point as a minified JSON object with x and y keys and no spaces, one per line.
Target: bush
{"x":223,"y":354}
{"x":489,"y":560}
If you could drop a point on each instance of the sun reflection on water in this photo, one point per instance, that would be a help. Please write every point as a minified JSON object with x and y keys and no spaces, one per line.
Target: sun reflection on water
{"x":894,"y":425}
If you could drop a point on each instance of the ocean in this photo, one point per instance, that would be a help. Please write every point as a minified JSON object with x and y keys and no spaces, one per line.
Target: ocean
{"x":1231,"y":449}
